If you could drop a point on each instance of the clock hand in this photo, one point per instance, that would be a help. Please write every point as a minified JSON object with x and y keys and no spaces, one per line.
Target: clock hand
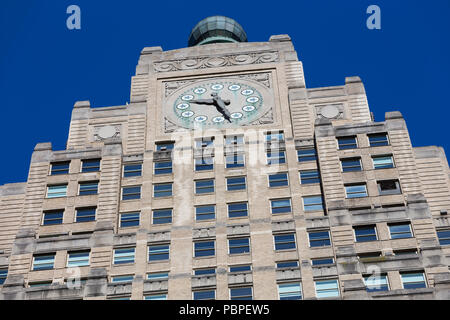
{"x":218,"y":103}
{"x":224,"y":111}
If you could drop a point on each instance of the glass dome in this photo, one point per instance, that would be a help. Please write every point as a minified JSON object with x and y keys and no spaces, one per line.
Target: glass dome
{"x":216,"y":29}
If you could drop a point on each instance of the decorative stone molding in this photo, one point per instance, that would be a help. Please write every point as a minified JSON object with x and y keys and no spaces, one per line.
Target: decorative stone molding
{"x":203,"y":281}
{"x":288,"y":274}
{"x":216,"y":62}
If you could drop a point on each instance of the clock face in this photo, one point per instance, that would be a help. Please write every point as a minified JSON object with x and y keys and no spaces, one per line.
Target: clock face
{"x":218,"y":103}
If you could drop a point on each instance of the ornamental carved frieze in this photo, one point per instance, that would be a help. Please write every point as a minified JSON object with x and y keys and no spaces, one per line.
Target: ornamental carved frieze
{"x":216,"y":62}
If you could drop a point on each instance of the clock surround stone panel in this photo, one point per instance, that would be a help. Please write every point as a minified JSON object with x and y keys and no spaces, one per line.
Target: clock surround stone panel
{"x":249,"y":99}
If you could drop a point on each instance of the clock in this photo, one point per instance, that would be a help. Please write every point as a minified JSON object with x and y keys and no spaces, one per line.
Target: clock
{"x":226,"y":102}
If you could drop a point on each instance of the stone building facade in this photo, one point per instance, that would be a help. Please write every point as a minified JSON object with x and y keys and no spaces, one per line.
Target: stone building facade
{"x":300,"y":195}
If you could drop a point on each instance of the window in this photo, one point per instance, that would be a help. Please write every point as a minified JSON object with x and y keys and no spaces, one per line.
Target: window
{"x":91,"y":165}
{"x":444,"y":237}
{"x":129,"y":219}
{"x":276,"y":157}
{"x":164,"y":146}
{"x":205,"y":212}
{"x":202,"y":272}
{"x":312,"y":203}
{"x":163,"y":167}
{"x":322,"y":261}
{"x":356,"y":191}
{"x":60,"y":168}
{"x":319,"y":239}
{"x":382,"y":162}
{"x":230,"y":140}
{"x":347,"y":143}
{"x":43,"y":261}
{"x":57,"y":191}
{"x":39,"y":284}
{"x":204,"y":248}
{"x":287,"y":264}
{"x":132,"y":170}
{"x":239,"y":245}
{"x":376,"y":283}
{"x":306,"y":154}
{"x":236,"y":210}
{"x":234,"y":161}
{"x":203,"y":164}
{"x":413,"y":280}
{"x":378,"y":139}
{"x":204,"y":143}
{"x":281,"y":206}
{"x":369,"y":255}
{"x":400,"y":230}
{"x":327,"y":288}
{"x":290,"y":291}
{"x":131,"y":193}
{"x":204,"y":186}
{"x":204,"y":295}
{"x":122,"y":279}
{"x":241,"y":293}
{"x":387,"y":187}
{"x":284,"y":241}
{"x":162,"y":296}
{"x":78,"y":259}
{"x":3,"y":275}
{"x":351,"y":164}
{"x":405,"y":252}
{"x":158,"y":252}
{"x":119,"y":298}
{"x":309,"y":176}
{"x":236,"y":183}
{"x":53,"y":217}
{"x":243,"y":268}
{"x":278,"y":180}
{"x":274,"y":136}
{"x":88,"y":188}
{"x":85,"y":214}
{"x":158,"y":276}
{"x":162,"y":190}
{"x":161,"y":216}
{"x":365,"y":233}
{"x":124,"y":255}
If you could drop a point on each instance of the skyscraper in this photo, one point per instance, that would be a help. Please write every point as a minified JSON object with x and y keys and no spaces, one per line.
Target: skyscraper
{"x":225,"y":177}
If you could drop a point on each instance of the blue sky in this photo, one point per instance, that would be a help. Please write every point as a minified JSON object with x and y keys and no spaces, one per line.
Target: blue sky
{"x":45,"y":68}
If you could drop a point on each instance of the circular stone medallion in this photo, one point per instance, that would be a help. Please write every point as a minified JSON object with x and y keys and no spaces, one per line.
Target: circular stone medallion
{"x":330,"y":112}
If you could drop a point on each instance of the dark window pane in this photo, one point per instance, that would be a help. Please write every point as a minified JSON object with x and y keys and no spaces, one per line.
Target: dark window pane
{"x":163,"y":167}
{"x":162,"y":190}
{"x":240,"y":268}
{"x":90,"y":165}
{"x":306,"y":154}
{"x":129,"y":219}
{"x":162,"y":216}
{"x":132,"y":170}
{"x":287,"y":264}
{"x":379,"y":139}
{"x":60,"y":168}
{"x":350,"y":165}
{"x":53,"y":217}
{"x":278,"y":180}
{"x":236,"y":183}
{"x":131,"y":193}
{"x":347,"y":143}
{"x":88,"y":188}
{"x":309,"y":176}
{"x":85,"y":214}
